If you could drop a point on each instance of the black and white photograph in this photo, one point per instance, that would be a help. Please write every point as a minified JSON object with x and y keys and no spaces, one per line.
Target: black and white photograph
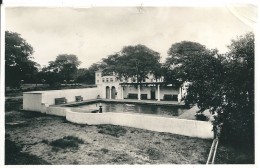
{"x":132,"y":84}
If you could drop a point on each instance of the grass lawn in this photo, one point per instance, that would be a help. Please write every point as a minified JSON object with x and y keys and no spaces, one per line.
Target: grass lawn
{"x":34,"y":138}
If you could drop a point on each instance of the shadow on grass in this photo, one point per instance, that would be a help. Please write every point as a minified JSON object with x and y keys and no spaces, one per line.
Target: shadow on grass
{"x":14,"y":156}
{"x":65,"y":142}
{"x":113,"y":130}
{"x":154,"y":153}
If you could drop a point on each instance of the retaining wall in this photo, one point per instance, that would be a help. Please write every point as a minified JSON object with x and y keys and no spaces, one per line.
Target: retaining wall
{"x":57,"y":111}
{"x":40,"y":100}
{"x":32,"y":101}
{"x":69,"y":94}
{"x":190,"y":128}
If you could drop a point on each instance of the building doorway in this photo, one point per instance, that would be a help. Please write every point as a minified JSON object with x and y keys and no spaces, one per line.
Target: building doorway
{"x":107,"y":92}
{"x":152,"y":94}
{"x":113,"y":92}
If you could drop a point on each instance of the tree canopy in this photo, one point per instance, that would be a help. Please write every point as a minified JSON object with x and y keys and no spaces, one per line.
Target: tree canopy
{"x":237,"y":111}
{"x":180,"y":54}
{"x":63,"y":69}
{"x":18,"y":59}
{"x":182,"y":51}
{"x":133,"y":61}
{"x":224,"y":84}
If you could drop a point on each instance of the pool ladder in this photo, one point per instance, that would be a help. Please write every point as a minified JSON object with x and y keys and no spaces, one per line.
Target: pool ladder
{"x":213,"y":151}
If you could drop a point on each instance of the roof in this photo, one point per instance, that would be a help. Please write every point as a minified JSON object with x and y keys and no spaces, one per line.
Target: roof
{"x":99,"y":70}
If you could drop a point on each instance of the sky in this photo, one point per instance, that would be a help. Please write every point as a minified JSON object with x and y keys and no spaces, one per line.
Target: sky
{"x":94,"y":33}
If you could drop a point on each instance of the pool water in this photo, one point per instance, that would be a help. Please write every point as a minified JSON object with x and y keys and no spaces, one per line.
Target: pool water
{"x":162,"y":110}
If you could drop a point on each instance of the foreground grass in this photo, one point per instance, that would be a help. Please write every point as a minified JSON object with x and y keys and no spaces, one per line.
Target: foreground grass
{"x":57,"y":142}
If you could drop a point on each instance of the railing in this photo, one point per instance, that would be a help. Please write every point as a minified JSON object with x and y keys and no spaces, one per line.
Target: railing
{"x":213,"y":151}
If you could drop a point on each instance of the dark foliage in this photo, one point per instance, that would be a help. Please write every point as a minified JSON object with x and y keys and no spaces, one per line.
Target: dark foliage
{"x":154,"y":153}
{"x":14,"y":156}
{"x":67,"y":142}
{"x":62,"y":70}
{"x":19,"y":66}
{"x":113,"y":130}
{"x":224,"y":84}
{"x":135,"y":62}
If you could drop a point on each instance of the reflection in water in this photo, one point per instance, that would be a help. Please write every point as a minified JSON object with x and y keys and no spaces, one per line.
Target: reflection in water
{"x":162,"y":110}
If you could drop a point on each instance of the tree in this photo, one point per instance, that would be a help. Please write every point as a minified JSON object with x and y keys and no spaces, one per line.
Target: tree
{"x":110,"y":64}
{"x":179,"y":54}
{"x":224,"y":84}
{"x":205,"y":73}
{"x":237,"y":113}
{"x":184,"y":50}
{"x":140,"y":61}
{"x":85,"y":75}
{"x":18,"y":63}
{"x":134,"y":61}
{"x":64,"y":68}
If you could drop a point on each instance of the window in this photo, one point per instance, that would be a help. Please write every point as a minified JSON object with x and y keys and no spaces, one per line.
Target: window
{"x":111,"y":79}
{"x":106,"y":79}
{"x":97,"y":74}
{"x":103,"y":80}
{"x":97,"y":81}
{"x":143,"y":80}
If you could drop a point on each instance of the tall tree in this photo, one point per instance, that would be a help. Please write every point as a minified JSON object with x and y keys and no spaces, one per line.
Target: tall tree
{"x":110,"y":64}
{"x":18,"y":59}
{"x":184,"y":50}
{"x":237,"y":113}
{"x":225,"y":85}
{"x":64,"y":68}
{"x":136,"y":61}
{"x":180,"y":54}
{"x":85,"y":75}
{"x":131,"y":62}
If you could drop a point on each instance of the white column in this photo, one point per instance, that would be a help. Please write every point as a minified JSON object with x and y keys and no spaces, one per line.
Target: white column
{"x":122,"y":92}
{"x":110,"y":92}
{"x":139,"y":93}
{"x":158,"y":92}
{"x":180,"y":94}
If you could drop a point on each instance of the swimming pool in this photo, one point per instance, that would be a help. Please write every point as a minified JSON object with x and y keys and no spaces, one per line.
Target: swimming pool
{"x":162,"y":110}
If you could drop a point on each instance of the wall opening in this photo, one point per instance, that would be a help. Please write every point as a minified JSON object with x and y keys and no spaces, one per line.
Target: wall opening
{"x":107,"y":92}
{"x":113,"y":92}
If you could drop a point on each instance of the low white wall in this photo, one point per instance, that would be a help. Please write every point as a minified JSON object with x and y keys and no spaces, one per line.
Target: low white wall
{"x":32,"y":101}
{"x":57,"y":111}
{"x":40,"y":100}
{"x":191,"y":128}
{"x":69,"y":94}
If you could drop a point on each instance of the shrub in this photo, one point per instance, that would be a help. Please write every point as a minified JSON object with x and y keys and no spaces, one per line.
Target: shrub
{"x":104,"y":150}
{"x":201,"y":117}
{"x":67,"y":142}
{"x":113,"y":130}
{"x":154,"y":153}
